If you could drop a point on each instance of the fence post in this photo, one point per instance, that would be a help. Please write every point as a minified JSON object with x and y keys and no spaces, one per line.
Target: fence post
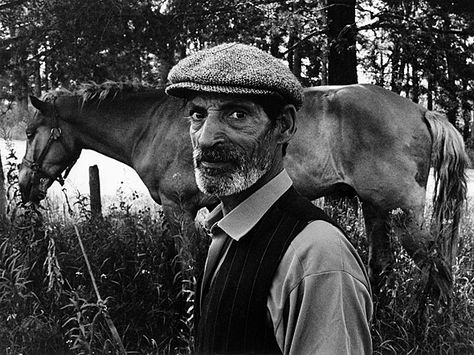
{"x":94,"y":186}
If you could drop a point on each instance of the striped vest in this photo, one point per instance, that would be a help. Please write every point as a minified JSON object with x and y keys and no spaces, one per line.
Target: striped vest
{"x":233,"y":319}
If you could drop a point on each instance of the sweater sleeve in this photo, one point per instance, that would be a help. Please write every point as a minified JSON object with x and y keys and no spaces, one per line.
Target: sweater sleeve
{"x":320,"y":301}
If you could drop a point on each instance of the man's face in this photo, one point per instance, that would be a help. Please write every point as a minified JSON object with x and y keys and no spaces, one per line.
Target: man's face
{"x":233,"y":142}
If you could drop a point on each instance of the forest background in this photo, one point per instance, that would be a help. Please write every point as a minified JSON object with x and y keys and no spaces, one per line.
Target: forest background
{"x":420,"y":49}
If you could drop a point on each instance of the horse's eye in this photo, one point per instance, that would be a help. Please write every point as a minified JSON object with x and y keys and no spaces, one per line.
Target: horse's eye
{"x":30,"y":134}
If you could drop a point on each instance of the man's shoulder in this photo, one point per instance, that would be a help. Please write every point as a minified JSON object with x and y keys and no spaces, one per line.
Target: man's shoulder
{"x":321,"y":247}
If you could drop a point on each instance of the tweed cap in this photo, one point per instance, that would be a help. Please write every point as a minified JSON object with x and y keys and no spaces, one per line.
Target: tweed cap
{"x":234,"y":68}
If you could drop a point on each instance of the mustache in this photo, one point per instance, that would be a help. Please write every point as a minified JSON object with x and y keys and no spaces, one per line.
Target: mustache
{"x":216,"y":154}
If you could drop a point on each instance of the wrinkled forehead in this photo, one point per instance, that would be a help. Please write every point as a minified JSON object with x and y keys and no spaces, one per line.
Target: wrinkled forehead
{"x":219,"y":101}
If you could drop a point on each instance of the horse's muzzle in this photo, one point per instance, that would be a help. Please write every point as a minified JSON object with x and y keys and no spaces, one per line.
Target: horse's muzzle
{"x":32,"y":187}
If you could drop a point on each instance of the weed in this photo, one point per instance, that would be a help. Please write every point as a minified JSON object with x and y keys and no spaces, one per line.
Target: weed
{"x":404,"y":324}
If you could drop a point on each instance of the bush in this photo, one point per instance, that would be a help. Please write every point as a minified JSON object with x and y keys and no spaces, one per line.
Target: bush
{"x":137,"y":271}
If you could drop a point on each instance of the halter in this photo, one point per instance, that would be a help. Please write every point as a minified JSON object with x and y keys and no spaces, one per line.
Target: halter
{"x":54,"y":136}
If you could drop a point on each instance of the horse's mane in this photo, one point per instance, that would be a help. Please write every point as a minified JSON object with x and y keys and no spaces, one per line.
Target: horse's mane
{"x":108,"y":89}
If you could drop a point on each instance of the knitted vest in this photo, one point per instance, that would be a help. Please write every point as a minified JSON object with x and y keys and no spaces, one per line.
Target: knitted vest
{"x":233,"y":319}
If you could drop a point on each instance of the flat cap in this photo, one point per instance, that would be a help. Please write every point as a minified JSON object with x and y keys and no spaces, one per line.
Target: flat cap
{"x":234,"y":68}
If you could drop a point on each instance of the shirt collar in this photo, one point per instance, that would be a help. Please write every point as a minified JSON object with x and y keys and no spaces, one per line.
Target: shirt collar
{"x":246,"y":215}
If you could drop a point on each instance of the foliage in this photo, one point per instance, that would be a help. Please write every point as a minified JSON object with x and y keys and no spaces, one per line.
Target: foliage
{"x":404,"y":321}
{"x":421,"y":49}
{"x":48,"y":303}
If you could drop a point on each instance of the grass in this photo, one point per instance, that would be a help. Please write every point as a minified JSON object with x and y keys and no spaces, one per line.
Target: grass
{"x":146,"y":277}
{"x":470,"y":154}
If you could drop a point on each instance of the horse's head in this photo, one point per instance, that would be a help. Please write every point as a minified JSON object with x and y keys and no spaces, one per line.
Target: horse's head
{"x":51,"y":149}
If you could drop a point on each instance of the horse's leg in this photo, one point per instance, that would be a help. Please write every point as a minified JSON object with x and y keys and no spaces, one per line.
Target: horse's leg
{"x":380,"y":251}
{"x":414,"y":236}
{"x":180,"y":214}
{"x":426,"y":252}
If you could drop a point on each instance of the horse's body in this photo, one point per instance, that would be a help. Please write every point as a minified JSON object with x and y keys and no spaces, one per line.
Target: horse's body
{"x":358,"y":139}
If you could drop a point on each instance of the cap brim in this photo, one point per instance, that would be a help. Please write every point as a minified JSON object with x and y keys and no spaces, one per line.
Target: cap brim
{"x":187,"y":89}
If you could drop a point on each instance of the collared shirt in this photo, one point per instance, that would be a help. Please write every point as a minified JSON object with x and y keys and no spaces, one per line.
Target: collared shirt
{"x":320,"y":300}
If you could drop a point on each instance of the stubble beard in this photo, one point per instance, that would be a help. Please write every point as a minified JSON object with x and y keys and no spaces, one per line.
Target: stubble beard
{"x":245,"y":171}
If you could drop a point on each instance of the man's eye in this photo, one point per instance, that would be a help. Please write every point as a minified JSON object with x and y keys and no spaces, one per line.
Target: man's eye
{"x":238,"y":115}
{"x":197,"y":116}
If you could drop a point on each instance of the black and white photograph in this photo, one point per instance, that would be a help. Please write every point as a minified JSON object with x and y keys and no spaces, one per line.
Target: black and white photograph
{"x":289,"y":177}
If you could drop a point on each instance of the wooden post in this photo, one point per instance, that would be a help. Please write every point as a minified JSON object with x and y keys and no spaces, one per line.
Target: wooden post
{"x":94,"y":186}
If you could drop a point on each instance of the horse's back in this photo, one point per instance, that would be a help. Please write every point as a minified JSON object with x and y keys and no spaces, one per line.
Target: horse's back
{"x":362,"y":136}
{"x":350,"y":101}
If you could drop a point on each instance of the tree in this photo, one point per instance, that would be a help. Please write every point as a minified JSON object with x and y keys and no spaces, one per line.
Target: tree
{"x":3,"y":195}
{"x":342,"y":68}
{"x":418,"y":48}
{"x":423,"y":50}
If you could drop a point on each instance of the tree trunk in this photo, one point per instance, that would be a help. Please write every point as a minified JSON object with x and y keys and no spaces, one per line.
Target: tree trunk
{"x":166,"y":62}
{"x":37,"y":88}
{"x":342,"y":42}
{"x":47,"y":69}
{"x":3,"y":195}
{"x":324,"y":49}
{"x":466,"y":113}
{"x":297,"y":63}
{"x":294,"y":57}
{"x":452,"y":109}
{"x":275,"y":41}
{"x":430,"y":92}
{"x":395,"y":62}
{"x":20,"y":91}
{"x":342,"y":61}
{"x":471,"y":137}
{"x":289,"y":58}
{"x":20,"y":83}
{"x":165,"y":67}
{"x":415,"y":80}
{"x":431,"y":87}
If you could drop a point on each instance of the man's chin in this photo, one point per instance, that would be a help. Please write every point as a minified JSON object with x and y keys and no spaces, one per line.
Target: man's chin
{"x":224,"y":184}
{"x":212,"y":182}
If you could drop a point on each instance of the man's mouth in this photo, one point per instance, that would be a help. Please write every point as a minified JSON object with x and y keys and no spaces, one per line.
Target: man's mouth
{"x":215,"y":164}
{"x":216,"y":160}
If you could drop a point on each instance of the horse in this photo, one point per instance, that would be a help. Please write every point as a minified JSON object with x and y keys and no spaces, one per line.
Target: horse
{"x":351,"y":140}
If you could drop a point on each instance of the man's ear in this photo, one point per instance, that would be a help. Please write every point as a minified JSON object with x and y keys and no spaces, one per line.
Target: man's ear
{"x":286,"y":124}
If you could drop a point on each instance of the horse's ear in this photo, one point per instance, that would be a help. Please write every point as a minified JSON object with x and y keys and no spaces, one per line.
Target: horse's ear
{"x":42,"y":106}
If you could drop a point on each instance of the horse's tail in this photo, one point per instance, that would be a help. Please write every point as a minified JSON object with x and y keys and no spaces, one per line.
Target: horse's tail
{"x":449,"y":161}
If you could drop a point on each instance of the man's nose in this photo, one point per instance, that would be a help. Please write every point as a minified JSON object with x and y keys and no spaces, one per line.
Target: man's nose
{"x":212,"y":131}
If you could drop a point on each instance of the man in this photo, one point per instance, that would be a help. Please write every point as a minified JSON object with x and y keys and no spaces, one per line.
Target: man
{"x":280,"y":276}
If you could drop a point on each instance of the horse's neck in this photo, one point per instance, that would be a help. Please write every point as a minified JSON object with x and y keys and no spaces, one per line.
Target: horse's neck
{"x":114,"y":127}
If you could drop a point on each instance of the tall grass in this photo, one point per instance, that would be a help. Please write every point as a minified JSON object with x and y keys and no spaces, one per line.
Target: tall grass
{"x":406,"y":320}
{"x":147,"y":278}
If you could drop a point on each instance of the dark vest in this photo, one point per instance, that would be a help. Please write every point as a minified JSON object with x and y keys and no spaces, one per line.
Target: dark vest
{"x":233,"y":319}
